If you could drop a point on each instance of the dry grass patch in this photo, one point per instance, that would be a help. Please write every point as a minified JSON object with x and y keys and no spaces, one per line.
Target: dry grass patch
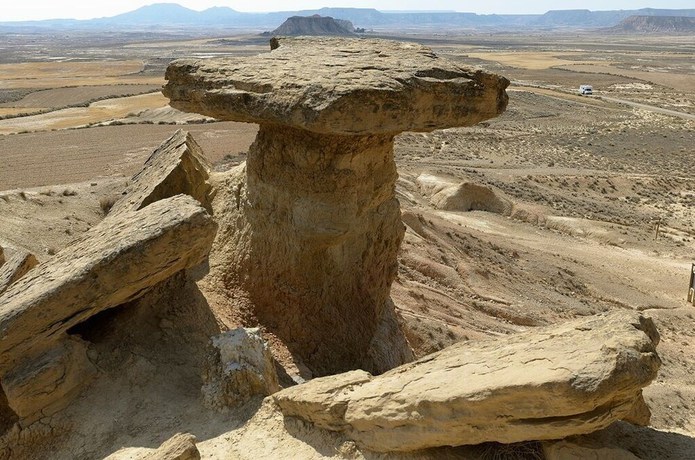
{"x":527,"y":60}
{"x":39,"y":75}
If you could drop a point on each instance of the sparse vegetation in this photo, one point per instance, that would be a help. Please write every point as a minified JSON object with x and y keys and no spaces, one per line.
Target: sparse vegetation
{"x":107,"y":202}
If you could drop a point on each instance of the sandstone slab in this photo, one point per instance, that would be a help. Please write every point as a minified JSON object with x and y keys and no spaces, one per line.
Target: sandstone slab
{"x":115,"y":262}
{"x":177,"y":166}
{"x":181,"y":446}
{"x":119,"y":260}
{"x":339,"y":86}
{"x":17,"y":263}
{"x":549,"y":383}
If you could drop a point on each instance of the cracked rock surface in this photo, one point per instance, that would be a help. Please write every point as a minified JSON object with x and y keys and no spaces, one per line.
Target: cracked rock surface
{"x":549,"y":383}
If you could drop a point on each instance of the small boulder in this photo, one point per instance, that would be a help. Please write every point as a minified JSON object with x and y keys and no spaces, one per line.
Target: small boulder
{"x":239,"y":367}
{"x":450,"y":195}
{"x":181,"y":446}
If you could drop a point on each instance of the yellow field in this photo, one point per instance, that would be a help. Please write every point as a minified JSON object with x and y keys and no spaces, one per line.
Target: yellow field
{"x":538,"y":60}
{"x":60,"y":74}
{"x":109,"y":109}
{"x":17,"y":110}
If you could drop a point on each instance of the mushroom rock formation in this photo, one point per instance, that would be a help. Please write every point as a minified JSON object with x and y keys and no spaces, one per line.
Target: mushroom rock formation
{"x":311,"y":228}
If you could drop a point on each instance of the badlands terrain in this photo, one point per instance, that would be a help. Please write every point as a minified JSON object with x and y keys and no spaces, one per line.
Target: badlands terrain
{"x":574,"y":206}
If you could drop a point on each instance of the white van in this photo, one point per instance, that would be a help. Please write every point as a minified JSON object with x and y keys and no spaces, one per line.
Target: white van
{"x":586,"y":90}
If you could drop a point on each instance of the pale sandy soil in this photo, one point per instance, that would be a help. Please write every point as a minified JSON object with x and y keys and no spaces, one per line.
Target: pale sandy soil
{"x":40,"y":75}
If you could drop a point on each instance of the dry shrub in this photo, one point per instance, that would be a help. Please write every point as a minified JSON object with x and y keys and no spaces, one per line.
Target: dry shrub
{"x":107,"y":202}
{"x":530,"y":450}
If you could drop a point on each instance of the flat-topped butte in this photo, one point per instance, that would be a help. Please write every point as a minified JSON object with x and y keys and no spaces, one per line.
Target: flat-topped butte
{"x":339,"y":86}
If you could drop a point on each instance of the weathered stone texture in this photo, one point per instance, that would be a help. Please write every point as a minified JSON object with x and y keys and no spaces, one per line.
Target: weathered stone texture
{"x":17,"y":263}
{"x":181,"y":446}
{"x":451,"y":195}
{"x":551,"y":383}
{"x":178,"y":166}
{"x":310,"y":229}
{"x":117,"y":261}
{"x":339,"y":86}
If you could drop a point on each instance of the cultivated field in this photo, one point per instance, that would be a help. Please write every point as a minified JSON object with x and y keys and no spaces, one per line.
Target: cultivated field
{"x":589,"y":179}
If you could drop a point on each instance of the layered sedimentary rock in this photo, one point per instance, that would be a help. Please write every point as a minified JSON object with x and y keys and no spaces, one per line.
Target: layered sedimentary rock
{"x":311,"y":225}
{"x":119,"y":260}
{"x":16,"y":264}
{"x":550,"y":383}
{"x":175,"y":167}
{"x":239,"y":366}
{"x":296,"y":26}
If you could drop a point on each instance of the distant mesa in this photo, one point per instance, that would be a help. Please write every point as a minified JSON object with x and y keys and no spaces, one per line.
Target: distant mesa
{"x":656,"y":25}
{"x":315,"y":25}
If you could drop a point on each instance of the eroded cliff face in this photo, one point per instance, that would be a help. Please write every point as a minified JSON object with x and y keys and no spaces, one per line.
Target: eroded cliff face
{"x":310,"y":227}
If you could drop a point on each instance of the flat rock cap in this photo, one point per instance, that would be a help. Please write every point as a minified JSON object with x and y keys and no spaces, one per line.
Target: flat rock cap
{"x":338,"y":86}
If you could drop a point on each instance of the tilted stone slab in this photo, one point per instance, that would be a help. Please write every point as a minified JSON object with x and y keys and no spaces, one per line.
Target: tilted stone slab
{"x":177,"y":166}
{"x":339,"y":86}
{"x":17,"y":263}
{"x":549,"y":383}
{"x":115,"y":262}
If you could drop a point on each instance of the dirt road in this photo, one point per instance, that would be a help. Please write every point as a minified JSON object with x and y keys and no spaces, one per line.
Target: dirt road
{"x":591,"y":100}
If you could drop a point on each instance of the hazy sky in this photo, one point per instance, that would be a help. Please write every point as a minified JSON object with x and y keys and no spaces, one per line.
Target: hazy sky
{"x":12,"y":10}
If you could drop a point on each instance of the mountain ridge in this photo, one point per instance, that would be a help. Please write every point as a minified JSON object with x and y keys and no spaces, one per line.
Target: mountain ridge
{"x":655,"y":25}
{"x":175,"y":15}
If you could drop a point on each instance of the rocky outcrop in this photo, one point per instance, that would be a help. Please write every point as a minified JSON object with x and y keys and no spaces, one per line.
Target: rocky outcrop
{"x":314,"y":25}
{"x":175,"y":167}
{"x":16,"y":264}
{"x":310,"y":227}
{"x":550,"y":383}
{"x":675,"y":25}
{"x":451,"y":195}
{"x":239,"y":366}
{"x":117,"y":261}
{"x":181,"y":446}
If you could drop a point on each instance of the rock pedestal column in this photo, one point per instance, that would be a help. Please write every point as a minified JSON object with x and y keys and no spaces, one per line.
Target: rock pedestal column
{"x":313,"y":229}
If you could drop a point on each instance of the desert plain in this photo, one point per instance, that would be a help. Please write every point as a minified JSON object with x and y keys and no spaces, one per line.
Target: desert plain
{"x":582,"y":204}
